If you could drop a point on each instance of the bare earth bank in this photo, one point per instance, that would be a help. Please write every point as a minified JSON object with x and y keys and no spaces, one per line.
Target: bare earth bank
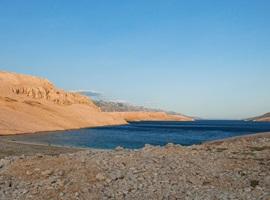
{"x":236,"y":168}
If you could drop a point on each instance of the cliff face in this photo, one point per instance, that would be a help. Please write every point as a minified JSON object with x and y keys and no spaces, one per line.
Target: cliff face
{"x":30,"y":104}
{"x":39,"y":89}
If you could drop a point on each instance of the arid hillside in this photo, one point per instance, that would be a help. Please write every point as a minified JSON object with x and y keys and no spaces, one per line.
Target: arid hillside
{"x":149,"y":116}
{"x":265,"y":117}
{"x":31,"y":104}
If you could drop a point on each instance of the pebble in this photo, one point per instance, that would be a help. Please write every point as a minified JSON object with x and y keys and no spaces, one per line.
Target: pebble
{"x":100,"y":177}
{"x":119,"y":148}
{"x":47,"y":172}
{"x":149,"y":173}
{"x":28,"y":173}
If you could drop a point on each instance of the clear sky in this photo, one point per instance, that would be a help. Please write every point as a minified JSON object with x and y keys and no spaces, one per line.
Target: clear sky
{"x":204,"y":58}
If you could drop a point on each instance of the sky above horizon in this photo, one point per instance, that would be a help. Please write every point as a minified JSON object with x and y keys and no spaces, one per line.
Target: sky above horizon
{"x":202,"y":58}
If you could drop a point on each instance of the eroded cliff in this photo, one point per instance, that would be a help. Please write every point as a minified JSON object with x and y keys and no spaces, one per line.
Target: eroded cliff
{"x":31,"y":104}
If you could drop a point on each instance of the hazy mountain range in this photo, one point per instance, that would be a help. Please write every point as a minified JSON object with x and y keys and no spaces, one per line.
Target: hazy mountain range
{"x":107,"y":105}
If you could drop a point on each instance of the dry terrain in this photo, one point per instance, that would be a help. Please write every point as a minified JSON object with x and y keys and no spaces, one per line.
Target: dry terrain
{"x":29,"y":104}
{"x":237,"y":168}
{"x":148,"y":116}
{"x":12,"y":148}
{"x":263,"y":118}
{"x":232,"y":169}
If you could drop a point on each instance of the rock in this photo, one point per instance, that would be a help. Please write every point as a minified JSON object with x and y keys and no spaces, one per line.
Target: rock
{"x":61,"y":194}
{"x":47,"y":172}
{"x":28,"y":173}
{"x":169,"y":145}
{"x":61,"y":173}
{"x":100,"y":177}
{"x":53,"y":180}
{"x":108,"y":180}
{"x":254,"y":183}
{"x":147,"y":147}
{"x":267,"y":180}
{"x":117,"y":175}
{"x":160,"y":173}
{"x":119,"y":148}
{"x":25,"y":191}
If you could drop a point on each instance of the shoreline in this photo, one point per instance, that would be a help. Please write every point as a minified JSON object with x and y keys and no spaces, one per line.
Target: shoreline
{"x":253,"y":135}
{"x":9,"y":147}
{"x":102,"y":126}
{"x":13,"y":149}
{"x":52,"y":145}
{"x":87,"y":127}
{"x":237,"y":168}
{"x":59,"y":130}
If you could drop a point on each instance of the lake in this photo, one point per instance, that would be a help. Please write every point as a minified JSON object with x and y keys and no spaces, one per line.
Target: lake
{"x":136,"y":134}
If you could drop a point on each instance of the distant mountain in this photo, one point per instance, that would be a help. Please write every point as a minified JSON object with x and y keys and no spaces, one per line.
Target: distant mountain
{"x":94,"y":95}
{"x":114,"y":106}
{"x":265,"y":117}
{"x":119,"y":107}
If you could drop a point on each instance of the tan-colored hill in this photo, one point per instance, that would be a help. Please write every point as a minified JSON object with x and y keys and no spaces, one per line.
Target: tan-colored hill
{"x":30,"y":104}
{"x":263,"y":118}
{"x":266,"y":119}
{"x":149,"y":116}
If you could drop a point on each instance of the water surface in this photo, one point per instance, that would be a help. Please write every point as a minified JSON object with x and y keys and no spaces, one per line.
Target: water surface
{"x":136,"y":135}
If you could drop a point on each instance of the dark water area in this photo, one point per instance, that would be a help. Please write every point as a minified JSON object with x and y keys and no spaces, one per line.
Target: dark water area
{"x":135,"y":135}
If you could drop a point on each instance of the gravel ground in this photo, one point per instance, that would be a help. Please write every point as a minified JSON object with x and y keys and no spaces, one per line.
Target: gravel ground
{"x":232,"y":169}
{"x":11,"y":148}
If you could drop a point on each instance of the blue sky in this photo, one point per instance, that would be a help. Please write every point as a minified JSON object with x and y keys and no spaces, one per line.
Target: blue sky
{"x":204,"y":58}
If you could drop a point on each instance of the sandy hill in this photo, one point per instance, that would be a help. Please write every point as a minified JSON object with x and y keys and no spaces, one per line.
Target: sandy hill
{"x":148,"y":116}
{"x":264,"y":117}
{"x":31,"y":104}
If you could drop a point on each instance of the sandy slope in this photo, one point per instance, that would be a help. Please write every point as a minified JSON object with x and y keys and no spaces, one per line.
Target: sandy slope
{"x":30,"y":104}
{"x":262,"y":118}
{"x":149,"y":116}
{"x":265,"y":119}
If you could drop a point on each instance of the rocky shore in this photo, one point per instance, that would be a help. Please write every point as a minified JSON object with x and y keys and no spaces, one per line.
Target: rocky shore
{"x":232,"y":169}
{"x":11,"y":148}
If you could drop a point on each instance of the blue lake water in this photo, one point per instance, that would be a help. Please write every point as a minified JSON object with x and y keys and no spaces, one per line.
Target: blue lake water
{"x":136,"y":135}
